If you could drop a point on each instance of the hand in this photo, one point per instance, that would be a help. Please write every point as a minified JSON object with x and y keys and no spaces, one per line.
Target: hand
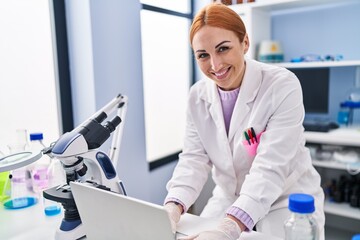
{"x":227,"y":230}
{"x":174,"y":212}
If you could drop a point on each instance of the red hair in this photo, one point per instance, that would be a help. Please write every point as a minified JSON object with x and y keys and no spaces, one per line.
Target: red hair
{"x":218,"y":15}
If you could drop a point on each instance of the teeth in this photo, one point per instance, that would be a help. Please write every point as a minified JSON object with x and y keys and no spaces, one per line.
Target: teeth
{"x":219,"y":74}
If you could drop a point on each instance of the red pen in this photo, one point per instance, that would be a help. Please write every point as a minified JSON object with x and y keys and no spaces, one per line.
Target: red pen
{"x":251,"y":136}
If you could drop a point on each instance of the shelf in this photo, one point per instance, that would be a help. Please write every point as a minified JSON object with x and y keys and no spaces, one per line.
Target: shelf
{"x":352,"y":63}
{"x":342,"y":209}
{"x":329,"y":164}
{"x":336,"y":233}
{"x":340,"y":136}
{"x":278,"y":5}
{"x":257,"y":15}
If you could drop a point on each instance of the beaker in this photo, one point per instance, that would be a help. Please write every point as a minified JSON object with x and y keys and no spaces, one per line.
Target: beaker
{"x":5,"y":189}
{"x":21,"y":197}
{"x":20,"y":142}
{"x":343,"y":117}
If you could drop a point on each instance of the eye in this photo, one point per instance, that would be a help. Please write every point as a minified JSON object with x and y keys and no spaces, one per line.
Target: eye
{"x":223,"y":49}
{"x":202,"y":55}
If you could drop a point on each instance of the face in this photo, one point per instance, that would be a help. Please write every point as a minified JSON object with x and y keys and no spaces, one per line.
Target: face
{"x":220,"y":56}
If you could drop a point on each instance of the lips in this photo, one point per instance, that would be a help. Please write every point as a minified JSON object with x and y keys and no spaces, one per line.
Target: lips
{"x":221,"y":74}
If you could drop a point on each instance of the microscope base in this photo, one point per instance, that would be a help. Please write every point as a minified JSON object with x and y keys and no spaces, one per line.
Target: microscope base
{"x":76,"y":233}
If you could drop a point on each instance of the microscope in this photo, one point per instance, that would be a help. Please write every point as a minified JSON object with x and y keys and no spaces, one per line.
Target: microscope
{"x":82,"y":161}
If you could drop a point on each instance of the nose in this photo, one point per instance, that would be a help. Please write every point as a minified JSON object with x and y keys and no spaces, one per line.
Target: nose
{"x":216,"y":63}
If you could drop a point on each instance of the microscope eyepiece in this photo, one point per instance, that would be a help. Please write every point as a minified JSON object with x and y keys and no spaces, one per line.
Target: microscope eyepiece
{"x":101,"y":117}
{"x":111,"y":125}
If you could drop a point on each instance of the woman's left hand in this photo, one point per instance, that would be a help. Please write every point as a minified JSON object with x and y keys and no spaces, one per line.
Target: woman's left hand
{"x":227,"y":230}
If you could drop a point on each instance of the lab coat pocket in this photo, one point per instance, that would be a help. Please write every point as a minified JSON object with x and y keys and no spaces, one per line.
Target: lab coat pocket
{"x":252,"y":147}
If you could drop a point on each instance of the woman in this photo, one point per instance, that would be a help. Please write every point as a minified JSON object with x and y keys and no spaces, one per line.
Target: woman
{"x":245,"y":124}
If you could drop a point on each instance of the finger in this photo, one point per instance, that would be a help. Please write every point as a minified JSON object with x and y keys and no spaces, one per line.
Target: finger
{"x":173,"y":226}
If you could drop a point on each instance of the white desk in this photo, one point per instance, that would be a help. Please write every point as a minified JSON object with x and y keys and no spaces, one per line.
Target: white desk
{"x":28,"y":223}
{"x":32,"y":223}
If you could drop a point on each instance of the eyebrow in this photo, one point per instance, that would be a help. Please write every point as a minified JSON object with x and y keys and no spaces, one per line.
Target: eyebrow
{"x":221,"y":43}
{"x":226,"y":41}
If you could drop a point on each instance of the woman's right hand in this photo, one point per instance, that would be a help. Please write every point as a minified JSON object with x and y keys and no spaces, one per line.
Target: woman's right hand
{"x":174,"y":211}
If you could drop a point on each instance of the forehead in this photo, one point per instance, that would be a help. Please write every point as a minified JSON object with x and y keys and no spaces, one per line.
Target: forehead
{"x":209,"y":37}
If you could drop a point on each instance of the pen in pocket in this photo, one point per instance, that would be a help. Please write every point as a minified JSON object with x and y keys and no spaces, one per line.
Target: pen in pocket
{"x":247,"y":137}
{"x":250,"y":136}
{"x":254,"y":134}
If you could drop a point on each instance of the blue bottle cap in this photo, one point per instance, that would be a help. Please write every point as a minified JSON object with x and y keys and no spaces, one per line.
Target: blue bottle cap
{"x":36,"y":136}
{"x":356,"y":237}
{"x":301,"y":203}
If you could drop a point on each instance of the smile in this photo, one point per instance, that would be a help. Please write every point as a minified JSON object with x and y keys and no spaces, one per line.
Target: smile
{"x":222,"y":74}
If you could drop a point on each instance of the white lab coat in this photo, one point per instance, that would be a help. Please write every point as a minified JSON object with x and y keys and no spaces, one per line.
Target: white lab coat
{"x":270,"y":101}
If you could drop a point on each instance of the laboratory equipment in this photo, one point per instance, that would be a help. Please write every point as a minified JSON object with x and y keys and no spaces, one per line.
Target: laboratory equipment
{"x":270,"y":52}
{"x":343,"y":115}
{"x":356,"y":237}
{"x":39,"y":169}
{"x":4,"y":184}
{"x":5,"y":189}
{"x":346,"y":117}
{"x":45,"y":174}
{"x":51,"y":208}
{"x":301,"y":224}
{"x":318,"y":58}
{"x":82,"y":162}
{"x":21,"y":194}
{"x":20,"y":143}
{"x":57,"y":177}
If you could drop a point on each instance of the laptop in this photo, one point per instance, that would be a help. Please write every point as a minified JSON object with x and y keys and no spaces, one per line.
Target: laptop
{"x":109,"y":215}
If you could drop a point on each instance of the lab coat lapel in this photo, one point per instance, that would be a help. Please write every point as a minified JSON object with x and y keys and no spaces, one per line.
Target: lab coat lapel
{"x":215,"y":109}
{"x":248,"y":92}
{"x":216,"y":113}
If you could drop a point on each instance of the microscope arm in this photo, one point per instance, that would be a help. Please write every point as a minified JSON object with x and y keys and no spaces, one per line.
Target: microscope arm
{"x":117,"y":135}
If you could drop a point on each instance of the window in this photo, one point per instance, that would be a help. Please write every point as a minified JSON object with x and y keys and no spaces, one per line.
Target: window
{"x":30,"y":91}
{"x":167,"y":76}
{"x":181,"y":6}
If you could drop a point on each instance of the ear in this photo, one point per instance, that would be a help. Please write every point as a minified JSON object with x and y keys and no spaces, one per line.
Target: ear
{"x":246,"y":43}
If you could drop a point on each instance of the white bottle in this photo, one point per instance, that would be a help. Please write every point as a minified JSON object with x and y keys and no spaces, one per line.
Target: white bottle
{"x":39,"y":169}
{"x":301,"y":225}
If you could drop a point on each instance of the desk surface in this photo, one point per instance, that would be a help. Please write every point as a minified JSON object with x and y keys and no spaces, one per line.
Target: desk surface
{"x":28,"y":223}
{"x":32,"y":223}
